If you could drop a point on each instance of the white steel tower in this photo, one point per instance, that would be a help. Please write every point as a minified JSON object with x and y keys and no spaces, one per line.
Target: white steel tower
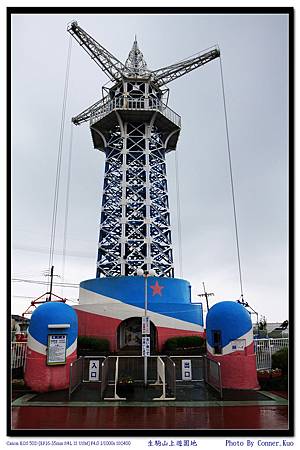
{"x":135,"y":128}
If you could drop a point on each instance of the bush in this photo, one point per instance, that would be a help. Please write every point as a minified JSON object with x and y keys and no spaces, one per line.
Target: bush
{"x":184,"y":342}
{"x":280,"y":360}
{"x":92,"y":343}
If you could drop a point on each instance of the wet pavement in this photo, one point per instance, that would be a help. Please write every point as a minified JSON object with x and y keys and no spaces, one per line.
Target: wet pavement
{"x":197,"y":407}
{"x":157,"y":418}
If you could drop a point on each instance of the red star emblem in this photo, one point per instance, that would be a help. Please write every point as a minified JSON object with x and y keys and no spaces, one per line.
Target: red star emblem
{"x":156,"y":289}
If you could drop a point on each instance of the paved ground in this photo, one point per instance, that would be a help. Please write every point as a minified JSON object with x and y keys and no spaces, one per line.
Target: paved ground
{"x":143,"y":418}
{"x":194,"y":409}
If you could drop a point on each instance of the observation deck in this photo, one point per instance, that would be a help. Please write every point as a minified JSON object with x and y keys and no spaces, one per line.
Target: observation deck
{"x":143,"y":110}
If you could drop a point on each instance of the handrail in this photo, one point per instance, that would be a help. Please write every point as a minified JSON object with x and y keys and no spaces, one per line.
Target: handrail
{"x":78,"y":375}
{"x":217,"y":386}
{"x":104,"y":377}
{"x":124,"y":102}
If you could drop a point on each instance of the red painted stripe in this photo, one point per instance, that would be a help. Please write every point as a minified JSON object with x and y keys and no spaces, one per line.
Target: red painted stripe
{"x":90,"y":324}
{"x":42,"y":378}
{"x":98,"y":326}
{"x":166,"y":333}
{"x":238,"y":370}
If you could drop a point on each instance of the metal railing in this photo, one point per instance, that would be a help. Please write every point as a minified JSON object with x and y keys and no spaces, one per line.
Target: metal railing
{"x":265,"y":348}
{"x":18,"y":354}
{"x":135,"y":104}
{"x":212,"y":374}
{"x":76,"y":374}
{"x":170,"y":375}
{"x":197,"y":367}
{"x":104,"y":376}
{"x":159,"y":372}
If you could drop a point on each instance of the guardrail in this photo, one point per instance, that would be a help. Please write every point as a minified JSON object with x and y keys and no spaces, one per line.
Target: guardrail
{"x":135,"y":104}
{"x":76,"y":375}
{"x":170,"y":374}
{"x":104,"y":379}
{"x":161,"y":379}
{"x":18,"y":354}
{"x":265,"y":348}
{"x":212,"y":374}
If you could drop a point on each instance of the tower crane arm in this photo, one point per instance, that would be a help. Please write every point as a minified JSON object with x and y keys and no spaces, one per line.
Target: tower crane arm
{"x":110,"y":65}
{"x":85,"y":115}
{"x":167,"y":74}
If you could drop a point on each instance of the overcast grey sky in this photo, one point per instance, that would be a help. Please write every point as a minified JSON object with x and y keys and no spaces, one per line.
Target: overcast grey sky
{"x":254,"y":55}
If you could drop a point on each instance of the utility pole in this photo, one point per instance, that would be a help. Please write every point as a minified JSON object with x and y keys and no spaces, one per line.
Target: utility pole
{"x":206,"y":295}
{"x":51,"y":282}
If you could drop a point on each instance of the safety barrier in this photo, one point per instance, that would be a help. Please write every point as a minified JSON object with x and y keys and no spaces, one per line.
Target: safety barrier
{"x":76,"y":375}
{"x":170,"y":375}
{"x":115,"y":397}
{"x":116,"y":367}
{"x":161,"y":379}
{"x":105,"y":375}
{"x":123,"y":102}
{"x":85,"y":369}
{"x":212,"y":374}
{"x":18,"y":354}
{"x":265,"y":348}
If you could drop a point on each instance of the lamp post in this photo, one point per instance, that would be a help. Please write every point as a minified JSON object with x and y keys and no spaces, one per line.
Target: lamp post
{"x":145,"y":322}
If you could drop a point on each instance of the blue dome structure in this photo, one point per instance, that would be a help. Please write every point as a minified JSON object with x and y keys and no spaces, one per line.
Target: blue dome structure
{"x":52,"y":313}
{"x":51,"y":347}
{"x":230,"y":317}
{"x":230,"y":342}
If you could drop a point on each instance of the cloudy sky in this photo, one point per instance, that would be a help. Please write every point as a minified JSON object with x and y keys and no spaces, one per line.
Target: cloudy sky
{"x":255,"y":65}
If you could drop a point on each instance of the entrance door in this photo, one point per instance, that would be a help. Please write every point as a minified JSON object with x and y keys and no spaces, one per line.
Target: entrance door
{"x":130,"y":334}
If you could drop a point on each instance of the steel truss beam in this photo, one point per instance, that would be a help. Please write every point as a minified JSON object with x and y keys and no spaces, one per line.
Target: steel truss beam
{"x":135,"y":220}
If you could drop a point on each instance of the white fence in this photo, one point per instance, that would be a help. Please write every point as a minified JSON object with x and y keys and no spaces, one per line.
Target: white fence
{"x":264,"y":349}
{"x":18,"y":354}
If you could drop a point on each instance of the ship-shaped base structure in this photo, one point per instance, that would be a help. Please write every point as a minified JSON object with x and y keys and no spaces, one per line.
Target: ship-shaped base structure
{"x":113,"y":307}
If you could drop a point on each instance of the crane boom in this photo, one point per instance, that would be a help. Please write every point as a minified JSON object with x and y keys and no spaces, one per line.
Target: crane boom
{"x":110,"y":65}
{"x":85,"y":115}
{"x":167,"y":74}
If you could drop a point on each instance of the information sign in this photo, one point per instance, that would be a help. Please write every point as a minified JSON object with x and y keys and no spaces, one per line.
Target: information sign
{"x":57,"y":349}
{"x":94,"y":370}
{"x":145,"y":325}
{"x":238,"y":345}
{"x":186,"y":366}
{"x":146,"y":346}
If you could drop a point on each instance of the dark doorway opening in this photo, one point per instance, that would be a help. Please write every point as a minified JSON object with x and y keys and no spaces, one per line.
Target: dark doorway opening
{"x":129,"y":335}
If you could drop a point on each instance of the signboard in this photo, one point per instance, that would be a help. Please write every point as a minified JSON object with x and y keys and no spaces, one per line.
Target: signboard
{"x":146,"y":346}
{"x":145,"y":325}
{"x":57,"y":349}
{"x":186,"y":369}
{"x":94,"y":370}
{"x":238,"y":345}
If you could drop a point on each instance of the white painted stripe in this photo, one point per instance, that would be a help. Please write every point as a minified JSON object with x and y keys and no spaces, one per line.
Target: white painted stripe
{"x":72,"y":348}
{"x":105,"y":306}
{"x":227,"y":350}
{"x":36,"y":346}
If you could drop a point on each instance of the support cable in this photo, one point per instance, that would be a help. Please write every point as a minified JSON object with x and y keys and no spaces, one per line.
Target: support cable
{"x":231,"y":181}
{"x":59,"y":157}
{"x":67,"y":205}
{"x":178,"y":215}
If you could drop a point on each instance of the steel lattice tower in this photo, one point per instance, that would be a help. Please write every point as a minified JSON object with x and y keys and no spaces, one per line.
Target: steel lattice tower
{"x":135,"y":128}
